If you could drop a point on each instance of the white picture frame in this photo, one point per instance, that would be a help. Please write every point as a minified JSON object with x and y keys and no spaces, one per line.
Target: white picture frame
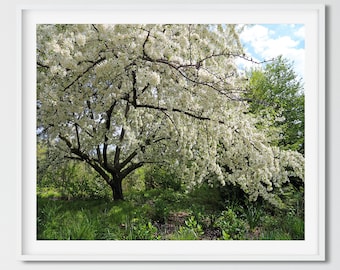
{"x":310,"y":249}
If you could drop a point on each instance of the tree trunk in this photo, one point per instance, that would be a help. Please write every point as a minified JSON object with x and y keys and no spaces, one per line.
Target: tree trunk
{"x":117,"y":191}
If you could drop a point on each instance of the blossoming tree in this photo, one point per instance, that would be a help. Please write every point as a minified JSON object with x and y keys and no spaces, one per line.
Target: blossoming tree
{"x":121,"y":96}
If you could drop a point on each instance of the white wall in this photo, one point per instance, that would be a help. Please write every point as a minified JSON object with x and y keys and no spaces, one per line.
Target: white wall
{"x":9,"y":134}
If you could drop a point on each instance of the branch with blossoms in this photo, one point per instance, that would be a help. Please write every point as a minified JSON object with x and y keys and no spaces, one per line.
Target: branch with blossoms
{"x":182,"y":69}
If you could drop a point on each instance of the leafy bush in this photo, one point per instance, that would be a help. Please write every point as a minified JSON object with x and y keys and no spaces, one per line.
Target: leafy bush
{"x":194,"y":226}
{"x":135,"y":182}
{"x":70,"y":181}
{"x":231,"y":225}
{"x":206,"y":197}
{"x":160,"y":178}
{"x":139,"y":229}
{"x":191,"y":231}
{"x":162,"y":211}
{"x":164,"y":202}
{"x":184,"y":233}
{"x":48,"y":193}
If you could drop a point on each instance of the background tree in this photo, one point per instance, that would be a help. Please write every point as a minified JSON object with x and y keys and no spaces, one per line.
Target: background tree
{"x":118,"y":97}
{"x":276,"y":94}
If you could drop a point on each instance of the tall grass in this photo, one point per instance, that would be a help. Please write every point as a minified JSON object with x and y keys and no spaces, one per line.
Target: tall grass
{"x":149,"y":215}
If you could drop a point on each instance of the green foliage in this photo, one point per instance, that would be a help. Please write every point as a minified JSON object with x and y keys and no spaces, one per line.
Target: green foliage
{"x":160,"y":178}
{"x":161,"y":210}
{"x":163,"y":204}
{"x":276,"y":94}
{"x":275,"y":235}
{"x":149,"y":214}
{"x":233,"y":196}
{"x":140,"y":229}
{"x":252,"y":214}
{"x":82,"y":227}
{"x":294,"y":200}
{"x":278,"y":225}
{"x":282,"y":227}
{"x":225,"y":236}
{"x":135,"y":181}
{"x":157,"y":214}
{"x":229,"y":223}
{"x":60,"y":220}
{"x":49,"y":193}
{"x":48,"y":213}
{"x":68,"y":180}
{"x":194,"y":226}
{"x":206,"y":198}
{"x":191,"y":231}
{"x":66,"y":225}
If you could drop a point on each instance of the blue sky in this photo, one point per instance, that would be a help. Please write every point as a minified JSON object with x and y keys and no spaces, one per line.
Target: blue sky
{"x":265,"y":41}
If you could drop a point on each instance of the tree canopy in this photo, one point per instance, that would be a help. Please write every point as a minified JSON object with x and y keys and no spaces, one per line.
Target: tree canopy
{"x":276,"y":93}
{"x":118,"y":97}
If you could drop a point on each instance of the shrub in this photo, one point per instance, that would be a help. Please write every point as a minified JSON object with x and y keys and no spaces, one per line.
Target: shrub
{"x":206,"y":197}
{"x":160,"y":178}
{"x":139,"y":229}
{"x":194,"y":226}
{"x":164,"y":203}
{"x":161,"y":210}
{"x":48,"y":193}
{"x":71,"y":180}
{"x":231,"y":225}
{"x":191,"y":231}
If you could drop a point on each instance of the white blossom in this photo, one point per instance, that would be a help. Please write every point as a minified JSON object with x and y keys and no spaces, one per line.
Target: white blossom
{"x":154,"y":78}
{"x":80,"y":39}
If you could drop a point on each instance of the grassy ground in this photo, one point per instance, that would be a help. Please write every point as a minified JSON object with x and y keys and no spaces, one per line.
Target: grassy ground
{"x":160,"y":214}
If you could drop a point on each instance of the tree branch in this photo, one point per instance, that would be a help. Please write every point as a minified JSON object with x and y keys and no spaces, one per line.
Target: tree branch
{"x":74,"y":158}
{"x":42,"y":65}
{"x":84,"y":157}
{"x":108,"y":126}
{"x":109,"y":114}
{"x":144,"y":43}
{"x":131,"y":168}
{"x":117,"y":152}
{"x":164,"y":109}
{"x":213,"y":85}
{"x":88,"y":103}
{"x":127,"y":160}
{"x":77,"y":135}
{"x":101,"y":59}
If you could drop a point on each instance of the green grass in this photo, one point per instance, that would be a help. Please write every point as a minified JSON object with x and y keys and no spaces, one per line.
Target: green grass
{"x":163,"y":214}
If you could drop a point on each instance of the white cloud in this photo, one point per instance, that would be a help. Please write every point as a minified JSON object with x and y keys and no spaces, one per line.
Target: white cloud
{"x":256,"y":32}
{"x":264,"y":43}
{"x":256,"y":36}
{"x":300,"y":33}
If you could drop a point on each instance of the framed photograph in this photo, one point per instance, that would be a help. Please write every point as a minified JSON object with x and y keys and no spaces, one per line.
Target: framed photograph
{"x":172,"y":132}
